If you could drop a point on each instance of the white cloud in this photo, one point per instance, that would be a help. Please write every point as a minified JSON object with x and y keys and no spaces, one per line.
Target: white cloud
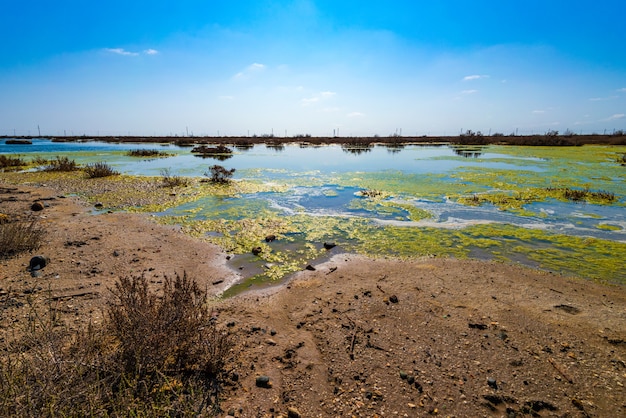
{"x":308,"y":101}
{"x":250,"y":69}
{"x":538,"y":112}
{"x":474,"y":77}
{"x":120,"y":51}
{"x":616,"y":116}
{"x":324,"y":95}
{"x":601,"y":99}
{"x":469,"y":91}
{"x":622,"y":90}
{"x":355,"y":115}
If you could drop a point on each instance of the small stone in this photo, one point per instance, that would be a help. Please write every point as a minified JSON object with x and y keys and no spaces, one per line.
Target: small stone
{"x":310,"y":267}
{"x":492,"y":382}
{"x":263,"y":382}
{"x":403,"y":375}
{"x":257,"y":250}
{"x":37,"y":206}
{"x":329,"y":245}
{"x":293,"y":413}
{"x":38,"y":262}
{"x":98,"y":205}
{"x":393,"y":299}
{"x":270,"y":238}
{"x":269,"y":341}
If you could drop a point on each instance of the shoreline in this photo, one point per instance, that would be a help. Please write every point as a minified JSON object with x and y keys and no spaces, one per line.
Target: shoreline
{"x":472,"y":337}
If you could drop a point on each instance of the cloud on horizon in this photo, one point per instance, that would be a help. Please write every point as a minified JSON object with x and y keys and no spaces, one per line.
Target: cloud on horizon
{"x":616,"y":116}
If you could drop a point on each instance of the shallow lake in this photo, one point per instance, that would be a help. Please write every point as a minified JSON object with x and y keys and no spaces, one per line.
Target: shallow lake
{"x":491,"y":202}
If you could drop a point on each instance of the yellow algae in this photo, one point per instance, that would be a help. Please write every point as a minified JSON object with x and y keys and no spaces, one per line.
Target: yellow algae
{"x":609,"y":227}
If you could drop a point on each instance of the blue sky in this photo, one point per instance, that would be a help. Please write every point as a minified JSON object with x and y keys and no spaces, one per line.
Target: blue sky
{"x":311,"y":67}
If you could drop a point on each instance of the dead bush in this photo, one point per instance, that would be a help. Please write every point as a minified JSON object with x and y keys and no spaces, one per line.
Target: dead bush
{"x":61,"y":164}
{"x":157,"y":354}
{"x":170,"y":180}
{"x":99,"y":169}
{"x":18,"y":237}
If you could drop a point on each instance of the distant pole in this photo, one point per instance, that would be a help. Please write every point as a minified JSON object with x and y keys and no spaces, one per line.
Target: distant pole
{"x":38,"y":130}
{"x":187,"y":130}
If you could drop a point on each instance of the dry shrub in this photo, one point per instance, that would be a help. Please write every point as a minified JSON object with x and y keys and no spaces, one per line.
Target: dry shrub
{"x":11,"y":162}
{"x":61,"y":164}
{"x":170,"y":180}
{"x":99,"y":169}
{"x":156,"y":355}
{"x":18,"y":237}
{"x":219,"y":174}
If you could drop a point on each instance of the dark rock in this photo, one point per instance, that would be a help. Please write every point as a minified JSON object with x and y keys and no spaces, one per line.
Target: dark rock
{"x":257,"y":250}
{"x":569,"y":309}
{"x":403,"y":375}
{"x":270,"y":238}
{"x":263,"y":382}
{"x":37,"y":206}
{"x":98,"y":205}
{"x":492,"y":382}
{"x":329,"y":245}
{"x":293,"y":413}
{"x":477,"y":326}
{"x":310,"y":267}
{"x":215,"y":283}
{"x":393,"y":299}
{"x":38,"y":262}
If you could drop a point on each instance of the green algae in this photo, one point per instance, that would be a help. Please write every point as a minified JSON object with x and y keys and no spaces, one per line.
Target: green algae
{"x":609,"y":227}
{"x":231,"y":217}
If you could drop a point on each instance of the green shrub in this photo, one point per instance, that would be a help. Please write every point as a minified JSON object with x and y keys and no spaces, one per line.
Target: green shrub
{"x":99,"y":169}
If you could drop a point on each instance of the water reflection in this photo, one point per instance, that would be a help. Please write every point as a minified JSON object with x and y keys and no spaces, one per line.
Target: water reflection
{"x":467,"y":152}
{"x":356,"y":149}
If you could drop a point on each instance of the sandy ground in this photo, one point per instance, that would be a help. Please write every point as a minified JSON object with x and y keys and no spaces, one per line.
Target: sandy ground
{"x":356,"y":336}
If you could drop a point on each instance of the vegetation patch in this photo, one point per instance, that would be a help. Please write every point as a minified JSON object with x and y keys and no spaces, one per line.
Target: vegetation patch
{"x":60,"y":163}
{"x":157,"y":354}
{"x":19,"y":237}
{"x":99,"y":169}
{"x":11,"y":162}
{"x":147,"y":153}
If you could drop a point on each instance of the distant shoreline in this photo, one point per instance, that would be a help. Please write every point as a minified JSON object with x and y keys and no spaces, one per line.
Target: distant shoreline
{"x":618,"y":138}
